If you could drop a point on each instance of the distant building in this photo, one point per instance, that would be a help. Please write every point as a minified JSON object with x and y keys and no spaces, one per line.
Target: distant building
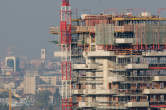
{"x":12,"y":63}
{"x":30,"y":82}
{"x":43,"y":55}
{"x":51,"y":80}
{"x":35,"y":63}
{"x":29,"y":85}
{"x":33,"y":83}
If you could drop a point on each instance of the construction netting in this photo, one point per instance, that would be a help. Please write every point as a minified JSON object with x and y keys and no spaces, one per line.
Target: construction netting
{"x":104,"y":34}
{"x":150,"y":34}
{"x":147,"y":34}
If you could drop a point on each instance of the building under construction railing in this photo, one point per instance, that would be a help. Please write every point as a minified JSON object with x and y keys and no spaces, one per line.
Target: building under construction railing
{"x":118,"y":62}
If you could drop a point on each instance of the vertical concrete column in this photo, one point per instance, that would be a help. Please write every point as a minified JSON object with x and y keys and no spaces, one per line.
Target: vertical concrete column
{"x":105,"y":73}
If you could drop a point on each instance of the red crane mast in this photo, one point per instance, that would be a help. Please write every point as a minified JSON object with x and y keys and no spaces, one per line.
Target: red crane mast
{"x":65,"y":29}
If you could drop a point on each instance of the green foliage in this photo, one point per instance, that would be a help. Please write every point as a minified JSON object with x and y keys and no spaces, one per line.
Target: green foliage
{"x":50,"y":107}
{"x":57,"y":99}
{"x":4,"y":95}
{"x":23,"y":107}
{"x":4,"y":107}
{"x":42,"y":99}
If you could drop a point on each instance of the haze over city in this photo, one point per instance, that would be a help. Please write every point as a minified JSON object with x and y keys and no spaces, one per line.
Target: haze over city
{"x":24,"y":24}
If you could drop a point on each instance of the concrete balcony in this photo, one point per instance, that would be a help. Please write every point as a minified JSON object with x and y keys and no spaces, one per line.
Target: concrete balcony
{"x":117,"y":68}
{"x":100,"y":54}
{"x":87,"y":104}
{"x":108,"y":92}
{"x":154,"y":91}
{"x":124,"y":56}
{"x":116,"y":79}
{"x":92,"y":66}
{"x":79,"y":66}
{"x":92,"y":81}
{"x":84,"y":66}
{"x":137,"y":66}
{"x":111,"y":106}
{"x":124,"y":40}
{"x":154,"y":53}
{"x":121,"y":107}
{"x":137,"y":104}
{"x":99,"y":92}
{"x":159,"y":78}
{"x":77,"y":92}
{"x":89,"y":91}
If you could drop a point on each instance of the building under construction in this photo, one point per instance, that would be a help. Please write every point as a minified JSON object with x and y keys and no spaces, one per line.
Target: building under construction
{"x":118,"y":61}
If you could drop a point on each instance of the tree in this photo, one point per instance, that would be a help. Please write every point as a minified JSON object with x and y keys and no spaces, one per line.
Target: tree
{"x":57,"y":98}
{"x":4,"y":95}
{"x":42,"y":99}
{"x":4,"y":107}
{"x":50,"y":107}
{"x":23,"y":107}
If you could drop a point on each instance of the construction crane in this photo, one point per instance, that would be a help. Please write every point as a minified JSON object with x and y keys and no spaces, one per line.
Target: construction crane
{"x":9,"y":98}
{"x":65,"y":39}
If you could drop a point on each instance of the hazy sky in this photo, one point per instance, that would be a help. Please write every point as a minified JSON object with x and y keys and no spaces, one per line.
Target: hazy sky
{"x":24,"y":24}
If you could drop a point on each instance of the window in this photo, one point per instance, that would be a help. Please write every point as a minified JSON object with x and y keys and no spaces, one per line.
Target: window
{"x":148,"y":85}
{"x":162,"y":85}
{"x":138,"y":86}
{"x":93,"y":86}
{"x":152,"y":85}
{"x":94,"y":99}
{"x":137,"y":98}
{"x":162,"y":98}
{"x":154,"y":97}
{"x":138,"y":61}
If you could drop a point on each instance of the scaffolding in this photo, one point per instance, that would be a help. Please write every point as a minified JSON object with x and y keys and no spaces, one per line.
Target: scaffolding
{"x":117,"y":61}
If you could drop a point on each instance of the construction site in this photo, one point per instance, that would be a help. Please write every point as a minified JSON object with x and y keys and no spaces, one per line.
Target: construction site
{"x":112,"y":61}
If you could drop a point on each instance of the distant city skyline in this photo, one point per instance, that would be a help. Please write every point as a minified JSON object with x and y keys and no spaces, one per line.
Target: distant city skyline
{"x":24,"y":24}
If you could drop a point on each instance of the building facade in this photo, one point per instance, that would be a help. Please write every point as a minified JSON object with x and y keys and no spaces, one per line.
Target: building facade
{"x":118,"y":62}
